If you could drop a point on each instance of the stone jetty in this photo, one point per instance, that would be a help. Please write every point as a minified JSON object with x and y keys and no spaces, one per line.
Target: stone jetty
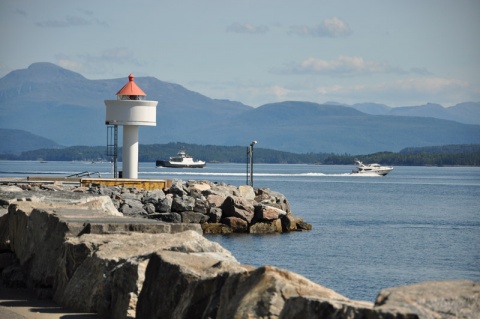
{"x":128,"y":253}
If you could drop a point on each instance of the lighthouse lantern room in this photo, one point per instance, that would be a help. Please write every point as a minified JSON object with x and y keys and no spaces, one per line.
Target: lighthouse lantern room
{"x":130,"y":110}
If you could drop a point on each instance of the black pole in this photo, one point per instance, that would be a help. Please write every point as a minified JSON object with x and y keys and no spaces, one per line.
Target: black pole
{"x":251,"y":162}
{"x":248,"y":153}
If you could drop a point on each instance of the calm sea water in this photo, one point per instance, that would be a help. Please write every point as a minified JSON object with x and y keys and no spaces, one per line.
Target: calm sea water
{"x":369,"y":233}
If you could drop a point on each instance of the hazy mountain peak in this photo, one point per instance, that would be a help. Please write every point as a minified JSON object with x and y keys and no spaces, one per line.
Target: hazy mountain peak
{"x":372,"y":108}
{"x":41,"y":72}
{"x":63,"y":106}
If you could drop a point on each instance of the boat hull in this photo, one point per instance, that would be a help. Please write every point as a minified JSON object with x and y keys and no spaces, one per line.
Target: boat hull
{"x":374,"y":172}
{"x":179,"y":165}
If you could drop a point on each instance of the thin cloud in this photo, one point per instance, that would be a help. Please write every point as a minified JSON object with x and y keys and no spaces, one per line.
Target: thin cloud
{"x":72,"y":21}
{"x":413,"y":90}
{"x":247,"y":28}
{"x":105,"y":62}
{"x":430,"y":85}
{"x":331,"y":28}
{"x":120,"y":56}
{"x":341,"y":66}
{"x":20,"y":12}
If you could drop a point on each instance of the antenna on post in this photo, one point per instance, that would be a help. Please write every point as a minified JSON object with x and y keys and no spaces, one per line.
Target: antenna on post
{"x":250,"y":151}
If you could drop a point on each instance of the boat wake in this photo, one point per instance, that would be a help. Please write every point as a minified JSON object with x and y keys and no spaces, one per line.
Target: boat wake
{"x":190,"y":173}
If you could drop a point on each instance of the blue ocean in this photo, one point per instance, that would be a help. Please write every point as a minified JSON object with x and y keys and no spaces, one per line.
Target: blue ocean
{"x":369,"y":233}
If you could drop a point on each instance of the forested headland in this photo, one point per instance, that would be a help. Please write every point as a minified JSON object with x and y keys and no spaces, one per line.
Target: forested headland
{"x":448,"y":155}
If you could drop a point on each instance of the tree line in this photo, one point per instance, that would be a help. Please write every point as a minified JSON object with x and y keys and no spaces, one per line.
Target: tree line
{"x":447,"y":155}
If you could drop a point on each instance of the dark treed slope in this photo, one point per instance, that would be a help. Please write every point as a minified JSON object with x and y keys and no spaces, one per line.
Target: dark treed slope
{"x":468,"y":155}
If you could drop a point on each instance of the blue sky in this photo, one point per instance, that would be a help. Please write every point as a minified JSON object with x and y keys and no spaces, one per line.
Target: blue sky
{"x":398,"y":53}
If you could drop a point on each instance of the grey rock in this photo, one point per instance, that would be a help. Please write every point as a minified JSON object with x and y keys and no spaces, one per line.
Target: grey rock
{"x":181,"y":204}
{"x":110,"y":277}
{"x":224,"y":190}
{"x":193,"y":217}
{"x":201,"y":205}
{"x":303,"y":307}
{"x":167,"y":217}
{"x":133,"y":211}
{"x":234,"y":206}
{"x":246,"y":192}
{"x":153,"y":196}
{"x":14,"y":276}
{"x":177,"y":188}
{"x":37,"y":232}
{"x":127,"y":195}
{"x":268,"y":213}
{"x":164,"y":205}
{"x":269,"y":198}
{"x":214,"y":215}
{"x":238,"y":225}
{"x":149,"y":208}
{"x":215,"y":200}
{"x":263,"y":292}
{"x":132,"y":202}
{"x":433,"y":300}
{"x":216,"y":228}
{"x":184,"y":286}
{"x":262,"y":228}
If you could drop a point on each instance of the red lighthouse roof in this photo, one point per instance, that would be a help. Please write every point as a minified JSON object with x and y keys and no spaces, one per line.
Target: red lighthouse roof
{"x":131,"y":88}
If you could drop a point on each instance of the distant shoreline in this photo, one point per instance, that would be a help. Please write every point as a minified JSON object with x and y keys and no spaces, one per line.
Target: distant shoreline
{"x":462,"y":155}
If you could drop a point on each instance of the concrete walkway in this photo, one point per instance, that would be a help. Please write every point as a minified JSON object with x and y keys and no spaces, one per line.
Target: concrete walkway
{"x":22,"y":304}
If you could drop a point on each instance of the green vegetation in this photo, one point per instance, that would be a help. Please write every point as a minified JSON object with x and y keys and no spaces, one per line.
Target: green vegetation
{"x":449,"y":155}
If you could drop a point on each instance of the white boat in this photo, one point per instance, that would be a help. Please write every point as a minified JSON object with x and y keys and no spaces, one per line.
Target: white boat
{"x":182,"y":160}
{"x":372,"y":169}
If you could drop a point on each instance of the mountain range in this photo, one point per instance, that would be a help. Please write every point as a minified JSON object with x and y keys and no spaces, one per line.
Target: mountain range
{"x":66,"y":108}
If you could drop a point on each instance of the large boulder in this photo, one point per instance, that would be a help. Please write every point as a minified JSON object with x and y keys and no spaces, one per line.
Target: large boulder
{"x":183,"y":286}
{"x":38,"y":230}
{"x":262,"y":293}
{"x":105,"y":274}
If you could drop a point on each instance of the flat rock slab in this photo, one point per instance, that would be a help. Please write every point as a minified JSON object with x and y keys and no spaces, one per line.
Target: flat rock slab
{"x":10,"y":195}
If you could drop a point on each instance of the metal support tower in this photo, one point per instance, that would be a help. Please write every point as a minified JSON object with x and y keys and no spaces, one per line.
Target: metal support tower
{"x":112,"y":146}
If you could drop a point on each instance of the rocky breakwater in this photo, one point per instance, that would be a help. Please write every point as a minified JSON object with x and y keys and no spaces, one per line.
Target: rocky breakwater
{"x":218,"y":207}
{"x":76,"y":248}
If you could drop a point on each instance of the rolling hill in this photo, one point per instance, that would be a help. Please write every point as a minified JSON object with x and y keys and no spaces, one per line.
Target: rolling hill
{"x":65,"y":107}
{"x":18,"y":141}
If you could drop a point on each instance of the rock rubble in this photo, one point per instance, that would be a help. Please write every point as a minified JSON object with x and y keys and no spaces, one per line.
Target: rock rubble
{"x":218,"y":207}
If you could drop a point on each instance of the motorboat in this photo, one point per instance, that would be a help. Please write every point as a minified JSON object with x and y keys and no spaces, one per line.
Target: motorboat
{"x":372,"y":169}
{"x":182,"y":160}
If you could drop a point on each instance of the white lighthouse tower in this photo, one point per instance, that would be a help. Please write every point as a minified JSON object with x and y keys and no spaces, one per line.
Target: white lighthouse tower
{"x":131,"y":110}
